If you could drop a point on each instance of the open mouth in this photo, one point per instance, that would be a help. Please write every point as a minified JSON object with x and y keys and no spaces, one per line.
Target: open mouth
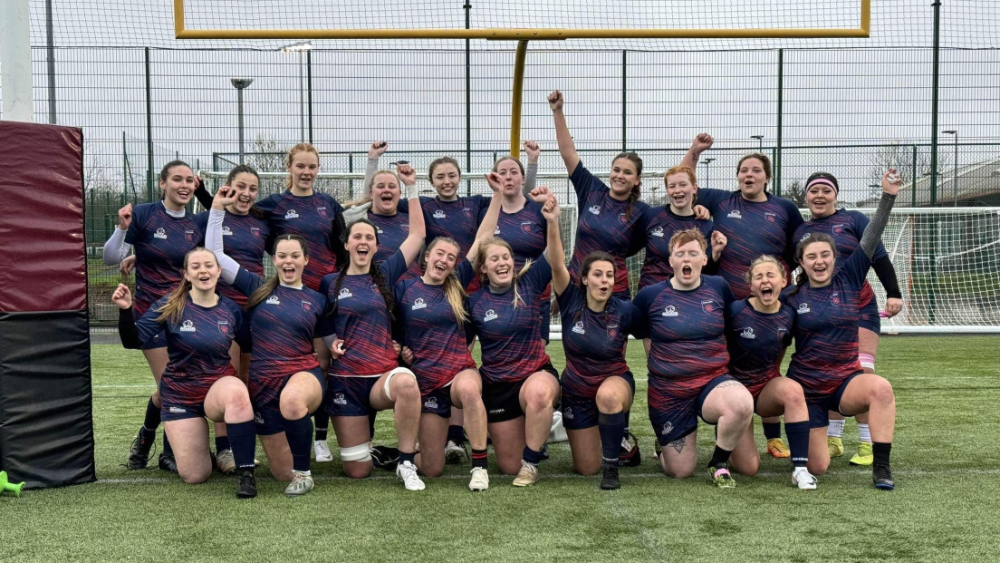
{"x":678,"y":199}
{"x":288,"y":270}
{"x":243,"y":200}
{"x":386,"y":198}
{"x":503,"y":270}
{"x":686,"y":270}
{"x":819,"y":270}
{"x":204,"y":278}
{"x":184,"y":193}
{"x":362,"y":251}
{"x":766,"y":292}
{"x":440,"y":268}
{"x":603,"y":291}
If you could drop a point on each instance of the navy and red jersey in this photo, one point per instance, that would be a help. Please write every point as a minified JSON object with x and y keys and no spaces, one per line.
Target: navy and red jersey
{"x":510,"y":336}
{"x":437,"y":339}
{"x":687,"y":329}
{"x":752,"y":228}
{"x":604,"y":224}
{"x":392,"y":231}
{"x":526,"y":232}
{"x":362,"y":320}
{"x":658,"y":224}
{"x":161,"y":242}
{"x":197,"y":344}
{"x":826,"y":328}
{"x":846,"y":228}
{"x":282,"y":328}
{"x":309,"y":217}
{"x":594,"y":342}
{"x":757,"y":341}
{"x":244,"y":239}
{"x":457,"y":219}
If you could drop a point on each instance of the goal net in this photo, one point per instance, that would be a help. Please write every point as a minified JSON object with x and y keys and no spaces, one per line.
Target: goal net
{"x":947,"y":259}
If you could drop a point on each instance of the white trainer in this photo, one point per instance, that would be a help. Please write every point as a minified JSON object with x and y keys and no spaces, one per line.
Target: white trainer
{"x":322,"y":450}
{"x":527,"y":476}
{"x":408,"y":473}
{"x":557,"y":433}
{"x":225,"y":461}
{"x":302,"y":483}
{"x":480,"y":480}
{"x":455,"y":454}
{"x":804,"y":480}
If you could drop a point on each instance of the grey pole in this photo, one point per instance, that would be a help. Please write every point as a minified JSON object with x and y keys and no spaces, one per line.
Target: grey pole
{"x":51,"y":62}
{"x":240,"y":84}
{"x":954,"y":181}
{"x":302,"y":103}
{"x":708,"y":180}
{"x":760,"y":142}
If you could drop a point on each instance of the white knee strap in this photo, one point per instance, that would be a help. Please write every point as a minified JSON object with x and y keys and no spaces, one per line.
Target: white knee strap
{"x":392,"y":374}
{"x":356,"y":453}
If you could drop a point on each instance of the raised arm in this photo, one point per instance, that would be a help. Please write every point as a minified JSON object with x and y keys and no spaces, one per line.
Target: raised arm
{"x":415,"y":238}
{"x":213,"y":232}
{"x":873,"y":234}
{"x":531,"y":175}
{"x":116,"y":249}
{"x":556,"y":254}
{"x":701,"y":143}
{"x":377,"y":149}
{"x":488,"y":225}
{"x":566,"y":147}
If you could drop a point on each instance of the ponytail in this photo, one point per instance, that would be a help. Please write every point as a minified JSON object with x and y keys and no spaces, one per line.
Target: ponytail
{"x":173,"y":309}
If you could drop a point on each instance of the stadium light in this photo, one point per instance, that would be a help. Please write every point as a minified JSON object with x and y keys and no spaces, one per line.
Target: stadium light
{"x":760,"y":142}
{"x":240,"y":84}
{"x":954,"y":182}
{"x":706,"y":162}
{"x":301,"y":47}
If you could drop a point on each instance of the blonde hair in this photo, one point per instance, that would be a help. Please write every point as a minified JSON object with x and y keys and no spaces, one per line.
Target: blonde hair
{"x":297,"y":149}
{"x":453,"y":290}
{"x":173,"y":309}
{"x":367,"y":196}
{"x":765,"y":259}
{"x":481,"y":261}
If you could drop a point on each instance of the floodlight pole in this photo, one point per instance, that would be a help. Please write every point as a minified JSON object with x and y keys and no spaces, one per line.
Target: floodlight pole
{"x":707,"y":162}
{"x":760,"y":142}
{"x":954,"y":182}
{"x":240,"y":84}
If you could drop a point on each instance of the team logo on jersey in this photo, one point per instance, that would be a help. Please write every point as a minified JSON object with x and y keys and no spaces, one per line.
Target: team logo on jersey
{"x":489,"y":316}
{"x":291,"y":214}
{"x":405,"y":227}
{"x":835,"y":299}
{"x":189,"y":235}
{"x":419,"y":304}
{"x":612,"y":331}
{"x":177,"y":410}
{"x":188,"y":326}
{"x":803,"y":308}
{"x":322,"y":212}
{"x":568,"y":413}
{"x":578,"y":328}
{"x":431,"y":403}
{"x":255,"y":231}
{"x":595,"y":209}
{"x":307,"y":306}
{"x":338,"y":399}
{"x":344,"y":293}
{"x":838,"y":229}
{"x":526,"y":226}
{"x":656,"y":232}
{"x":223,"y":327}
{"x":467,"y":211}
{"x":380,"y":231}
{"x":440,"y":214}
{"x":273,"y":300}
{"x":622,"y":219}
{"x":771,"y":217}
{"x":708,"y":306}
{"x":667,"y":428}
{"x":735,"y":214}
{"x":804,"y":237}
{"x":226,"y":231}
{"x":160,"y":233}
{"x":670,"y":311}
{"x":782,"y":333}
{"x":496,"y":231}
{"x":748,"y":333}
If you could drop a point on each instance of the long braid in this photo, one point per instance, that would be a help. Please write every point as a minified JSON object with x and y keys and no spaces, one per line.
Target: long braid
{"x":336,"y":288}
{"x":383,"y":287}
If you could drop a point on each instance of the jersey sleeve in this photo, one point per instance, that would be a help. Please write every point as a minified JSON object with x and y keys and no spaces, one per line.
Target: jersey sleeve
{"x":147,"y":325}
{"x":268,"y":204}
{"x":860,"y":224}
{"x":855,"y":269}
{"x":135,"y":226}
{"x":584,"y":182}
{"x":643,"y":300}
{"x":539,"y":274}
{"x":394,"y":267}
{"x":465,"y":272}
{"x":569,"y":300}
{"x":334,"y":204}
{"x":247,"y":282}
{"x":711,"y":198}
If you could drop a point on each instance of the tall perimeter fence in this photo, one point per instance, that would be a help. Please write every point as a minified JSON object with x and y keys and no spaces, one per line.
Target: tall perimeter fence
{"x":852,"y":107}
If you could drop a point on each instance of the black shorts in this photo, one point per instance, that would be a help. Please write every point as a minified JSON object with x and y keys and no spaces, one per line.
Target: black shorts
{"x":820,"y":407}
{"x":502,"y":398}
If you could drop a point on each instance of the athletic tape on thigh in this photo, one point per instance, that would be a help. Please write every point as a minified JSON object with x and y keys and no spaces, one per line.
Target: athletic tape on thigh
{"x":392,"y":374}
{"x":867,"y":361}
{"x":356,"y":453}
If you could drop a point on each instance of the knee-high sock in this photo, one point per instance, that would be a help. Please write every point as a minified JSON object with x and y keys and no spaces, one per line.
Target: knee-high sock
{"x":612,"y":429}
{"x":152,"y":419}
{"x":299,"y":433}
{"x":798,"y":442}
{"x":322,"y":423}
{"x":772,"y":430}
{"x":243,"y":438}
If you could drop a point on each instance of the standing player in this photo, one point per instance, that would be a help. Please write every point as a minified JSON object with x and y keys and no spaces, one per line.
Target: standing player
{"x":286,"y":373}
{"x":520,"y":386}
{"x":682,"y":322}
{"x":658,"y":225}
{"x":846,"y":228}
{"x":827,"y":300}
{"x":433,"y":313}
{"x":199,"y":327}
{"x":364,"y":374}
{"x":756,"y":223}
{"x":759,"y":328}
{"x":162,"y":233}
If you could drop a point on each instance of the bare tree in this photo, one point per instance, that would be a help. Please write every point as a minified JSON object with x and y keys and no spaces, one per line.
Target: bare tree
{"x":795,"y":193}
{"x":901,"y":157}
{"x":266,"y":156}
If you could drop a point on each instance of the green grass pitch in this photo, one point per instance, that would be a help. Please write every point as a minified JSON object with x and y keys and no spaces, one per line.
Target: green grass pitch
{"x":944,"y":508}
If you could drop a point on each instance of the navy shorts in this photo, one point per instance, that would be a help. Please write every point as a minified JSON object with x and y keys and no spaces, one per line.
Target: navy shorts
{"x":680,"y":418}
{"x":265,"y":398}
{"x":350,"y":396}
{"x":581,"y":412}
{"x":185,"y":398}
{"x":502,"y":398}
{"x":869,"y":318}
{"x":819,"y":407}
{"x":437,"y":402}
